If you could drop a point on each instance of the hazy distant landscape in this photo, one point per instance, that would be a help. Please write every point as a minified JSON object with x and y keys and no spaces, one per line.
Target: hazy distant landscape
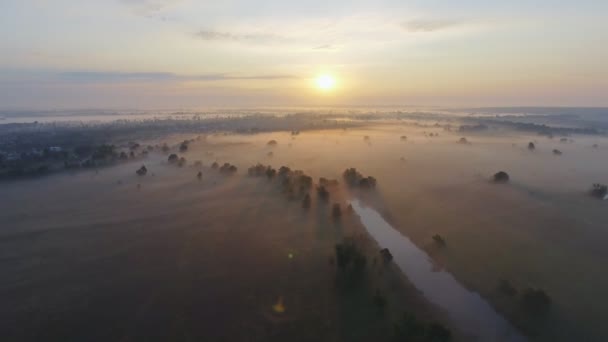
{"x":200,"y":243}
{"x":298,"y":171}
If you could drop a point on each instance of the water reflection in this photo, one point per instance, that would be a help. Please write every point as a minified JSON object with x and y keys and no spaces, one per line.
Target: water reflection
{"x":466,"y":308}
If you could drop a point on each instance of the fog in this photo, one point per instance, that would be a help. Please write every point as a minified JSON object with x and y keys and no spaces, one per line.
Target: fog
{"x":114,"y":255}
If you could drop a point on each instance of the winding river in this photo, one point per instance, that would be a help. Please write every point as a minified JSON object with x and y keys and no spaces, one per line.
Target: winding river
{"x":467,"y":309}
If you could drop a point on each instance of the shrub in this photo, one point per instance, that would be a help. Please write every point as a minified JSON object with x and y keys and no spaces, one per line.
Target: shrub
{"x":501,"y":177}
{"x":411,"y":329}
{"x":306,"y":201}
{"x":599,"y":190}
{"x":336,"y":211}
{"x":173,"y":159}
{"x":386,"y":255}
{"x":439,"y":240}
{"x":142,"y":171}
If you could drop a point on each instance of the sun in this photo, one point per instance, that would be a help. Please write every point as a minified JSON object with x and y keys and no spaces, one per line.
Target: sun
{"x":325,"y":82}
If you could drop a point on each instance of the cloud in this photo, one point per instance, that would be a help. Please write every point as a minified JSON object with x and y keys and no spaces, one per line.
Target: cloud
{"x":428,"y":25}
{"x":150,"y":8}
{"x":324,"y":47}
{"x":213,"y":35}
{"x":105,"y":77}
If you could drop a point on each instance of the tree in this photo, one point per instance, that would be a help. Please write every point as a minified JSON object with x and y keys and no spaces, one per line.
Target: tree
{"x":199,"y":175}
{"x":463,"y":141}
{"x":349,"y":257}
{"x":165,"y":148}
{"x":367,"y":183}
{"x":272,"y":143}
{"x":386,"y":255}
{"x":379,"y":301}
{"x":270,"y":172}
{"x":501,"y":177}
{"x":557,"y":152}
{"x":409,"y":328}
{"x":599,"y":190}
{"x":336,"y":211}
{"x":228,"y":169}
{"x":183,"y":147}
{"x":306,"y":201}
{"x":142,"y":171}
{"x":173,"y":159}
{"x":322,"y":192}
{"x":439,"y":240}
{"x":215,"y":165}
{"x":531,"y":146}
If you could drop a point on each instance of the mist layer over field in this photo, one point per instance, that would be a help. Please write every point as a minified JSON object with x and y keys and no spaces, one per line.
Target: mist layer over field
{"x":213,"y":256}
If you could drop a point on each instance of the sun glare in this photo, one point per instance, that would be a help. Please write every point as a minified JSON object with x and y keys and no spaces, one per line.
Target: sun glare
{"x":325,"y":82}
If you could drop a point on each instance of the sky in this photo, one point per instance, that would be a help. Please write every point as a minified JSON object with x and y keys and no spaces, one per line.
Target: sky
{"x":192,"y":54}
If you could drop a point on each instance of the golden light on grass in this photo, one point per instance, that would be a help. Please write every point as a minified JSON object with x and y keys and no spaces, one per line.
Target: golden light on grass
{"x":325,"y":82}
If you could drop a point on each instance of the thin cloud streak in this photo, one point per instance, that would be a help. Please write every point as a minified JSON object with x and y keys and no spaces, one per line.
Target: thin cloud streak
{"x":428,"y":25}
{"x":213,"y":35}
{"x":96,"y":76}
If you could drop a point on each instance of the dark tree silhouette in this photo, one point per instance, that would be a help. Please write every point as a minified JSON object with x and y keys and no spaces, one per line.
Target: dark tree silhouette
{"x":350,"y":258}
{"x":501,"y":177}
{"x":439,"y":240}
{"x":409,"y":328}
{"x":215,"y":165}
{"x":531,"y":146}
{"x":386,"y":255}
{"x":272,"y":143}
{"x":463,"y":141}
{"x":228,"y":169}
{"x":142,"y":171}
{"x":306,"y":201}
{"x":271,"y":173}
{"x":379,"y":301}
{"x":257,"y":170}
{"x":367,"y":183}
{"x":323,"y":193}
{"x":183,"y":147}
{"x":199,"y":175}
{"x":599,"y":190}
{"x":165,"y":148}
{"x":123,"y":156}
{"x":284,"y":171}
{"x":336,"y":211}
{"x":173,"y":159}
{"x":557,"y":152}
